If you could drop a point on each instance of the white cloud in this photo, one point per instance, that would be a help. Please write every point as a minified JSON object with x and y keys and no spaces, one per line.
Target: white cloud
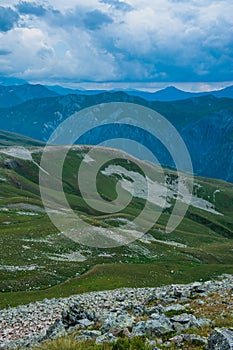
{"x":135,"y":40}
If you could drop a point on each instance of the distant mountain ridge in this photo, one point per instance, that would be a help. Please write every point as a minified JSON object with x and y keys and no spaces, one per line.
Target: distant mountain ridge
{"x":13,"y":95}
{"x":7,"y":81}
{"x":169,"y":93}
{"x":16,"y":94}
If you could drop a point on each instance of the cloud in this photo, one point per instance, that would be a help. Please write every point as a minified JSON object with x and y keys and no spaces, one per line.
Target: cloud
{"x":79,"y":17}
{"x":118,"y":5}
{"x":25,"y":44}
{"x":113,"y":40}
{"x":4,"y":52}
{"x":30,"y":8}
{"x":59,"y":57}
{"x":45,"y":53}
{"x":8,"y":18}
{"x":186,"y":42}
{"x":95,"y":19}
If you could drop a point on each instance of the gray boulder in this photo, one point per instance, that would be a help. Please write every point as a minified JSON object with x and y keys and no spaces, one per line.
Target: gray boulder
{"x":221,"y":339}
{"x":139,"y":329}
{"x":154,"y":309}
{"x":175,"y":308}
{"x":118,"y":321}
{"x":88,"y":335}
{"x":106,"y":338}
{"x":56,"y":330}
{"x":75,"y":315}
{"x":184,"y":321}
{"x":194,"y":338}
{"x":85,"y":322}
{"x":155,"y":326}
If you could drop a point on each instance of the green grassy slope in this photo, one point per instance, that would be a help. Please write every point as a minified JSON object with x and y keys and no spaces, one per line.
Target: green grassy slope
{"x":37,"y":261}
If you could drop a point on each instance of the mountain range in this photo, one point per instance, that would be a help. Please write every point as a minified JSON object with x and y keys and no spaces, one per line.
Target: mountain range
{"x":171,"y":93}
{"x":205,"y":123}
{"x":12,"y":95}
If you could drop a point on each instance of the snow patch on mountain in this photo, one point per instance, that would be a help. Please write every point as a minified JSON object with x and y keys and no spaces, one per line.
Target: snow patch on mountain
{"x":88,"y":159}
{"x":139,"y":186}
{"x":156,"y":193}
{"x":74,"y":256}
{"x":17,"y":152}
{"x":21,"y":153}
{"x":26,"y":213}
{"x":12,"y":268}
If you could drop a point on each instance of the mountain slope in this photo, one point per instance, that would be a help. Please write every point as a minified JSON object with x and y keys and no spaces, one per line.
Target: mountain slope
{"x":7,"y":81}
{"x":34,"y":255}
{"x":11,"y":139}
{"x":226,"y":92}
{"x":16,"y":94}
{"x":170,"y":93}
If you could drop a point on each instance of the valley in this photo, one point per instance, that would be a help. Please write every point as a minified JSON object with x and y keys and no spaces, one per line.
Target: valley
{"x":37,"y":261}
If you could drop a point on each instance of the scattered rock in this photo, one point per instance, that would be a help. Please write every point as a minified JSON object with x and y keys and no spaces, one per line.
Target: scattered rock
{"x":85,"y":322}
{"x":195,"y":339}
{"x":184,"y":321}
{"x":156,"y":326}
{"x":198,"y":287}
{"x":175,"y":308}
{"x":120,"y":321}
{"x":87,"y":335}
{"x":77,"y":315}
{"x":108,"y":315}
{"x":106,"y":338}
{"x":221,"y":339}
{"x":56,"y":330}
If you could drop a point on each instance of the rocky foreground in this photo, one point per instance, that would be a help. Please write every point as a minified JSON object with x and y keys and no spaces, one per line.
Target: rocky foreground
{"x":174,"y":316}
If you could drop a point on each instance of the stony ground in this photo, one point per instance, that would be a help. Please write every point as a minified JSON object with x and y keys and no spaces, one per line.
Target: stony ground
{"x":169,"y":316}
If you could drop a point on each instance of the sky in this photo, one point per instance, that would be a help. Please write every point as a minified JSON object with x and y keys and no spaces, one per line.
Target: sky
{"x":112,"y":43}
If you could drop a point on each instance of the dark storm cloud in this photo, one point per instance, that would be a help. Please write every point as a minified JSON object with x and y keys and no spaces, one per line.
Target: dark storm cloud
{"x":4,"y":52}
{"x":8,"y":18}
{"x":96,"y":19}
{"x":78,"y":17}
{"x":160,"y":40}
{"x":31,"y":8}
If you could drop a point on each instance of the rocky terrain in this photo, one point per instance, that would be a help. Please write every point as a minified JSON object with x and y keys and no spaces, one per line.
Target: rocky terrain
{"x":194,"y":316}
